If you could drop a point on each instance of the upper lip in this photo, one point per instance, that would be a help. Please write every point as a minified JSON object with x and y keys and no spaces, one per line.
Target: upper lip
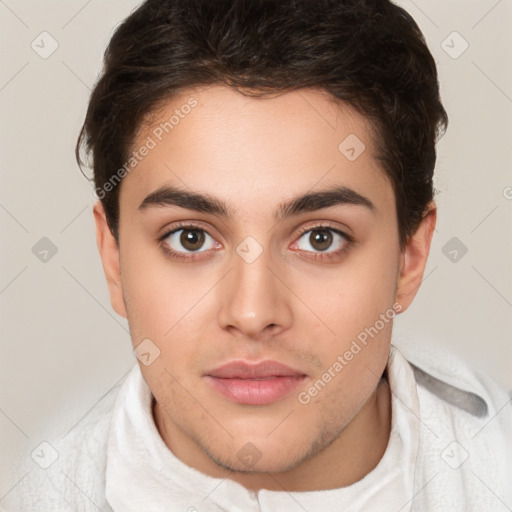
{"x":245,"y":370}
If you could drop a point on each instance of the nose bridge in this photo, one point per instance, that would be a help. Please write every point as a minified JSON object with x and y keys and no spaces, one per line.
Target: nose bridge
{"x":253,"y":298}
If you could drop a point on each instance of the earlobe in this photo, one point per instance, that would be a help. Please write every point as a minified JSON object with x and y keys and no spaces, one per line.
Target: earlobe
{"x":414,"y":259}
{"x":109,"y":253}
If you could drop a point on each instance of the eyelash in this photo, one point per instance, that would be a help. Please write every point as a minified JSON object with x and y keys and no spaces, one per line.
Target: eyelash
{"x":318,"y":255}
{"x":327,"y":255}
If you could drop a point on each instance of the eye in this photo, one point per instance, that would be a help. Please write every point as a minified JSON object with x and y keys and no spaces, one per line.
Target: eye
{"x":188,"y":239}
{"x":322,"y":238}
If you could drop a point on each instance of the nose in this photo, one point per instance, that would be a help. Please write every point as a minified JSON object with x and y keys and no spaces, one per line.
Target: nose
{"x":254,"y":299}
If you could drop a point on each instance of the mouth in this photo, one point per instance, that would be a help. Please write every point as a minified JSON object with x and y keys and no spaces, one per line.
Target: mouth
{"x":254,"y":384}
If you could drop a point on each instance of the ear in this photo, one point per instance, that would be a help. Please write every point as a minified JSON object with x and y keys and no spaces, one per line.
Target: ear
{"x":414,"y":259}
{"x":109,"y":253}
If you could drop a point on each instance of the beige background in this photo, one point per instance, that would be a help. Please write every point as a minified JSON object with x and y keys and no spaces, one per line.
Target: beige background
{"x":62,"y":347}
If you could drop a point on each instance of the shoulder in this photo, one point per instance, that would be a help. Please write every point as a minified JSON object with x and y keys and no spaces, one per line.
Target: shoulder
{"x":465,"y":453}
{"x":457,"y":386}
{"x":66,"y":473}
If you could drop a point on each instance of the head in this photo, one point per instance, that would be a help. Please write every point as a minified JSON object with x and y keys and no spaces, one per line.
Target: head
{"x":265,"y":181}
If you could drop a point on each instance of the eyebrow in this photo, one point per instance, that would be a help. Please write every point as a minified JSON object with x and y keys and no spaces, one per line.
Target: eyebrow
{"x":204,"y":203}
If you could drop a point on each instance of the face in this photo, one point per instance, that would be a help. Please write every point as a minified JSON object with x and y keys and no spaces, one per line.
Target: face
{"x":256,"y":255}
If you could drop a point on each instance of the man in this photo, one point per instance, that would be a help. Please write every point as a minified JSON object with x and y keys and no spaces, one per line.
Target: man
{"x":264,"y":175}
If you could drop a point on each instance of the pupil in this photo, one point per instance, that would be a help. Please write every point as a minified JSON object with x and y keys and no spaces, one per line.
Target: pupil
{"x":320,"y":239}
{"x":192,"y":239}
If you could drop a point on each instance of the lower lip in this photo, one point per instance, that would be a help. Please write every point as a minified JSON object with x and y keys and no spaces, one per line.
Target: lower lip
{"x":255,"y":392}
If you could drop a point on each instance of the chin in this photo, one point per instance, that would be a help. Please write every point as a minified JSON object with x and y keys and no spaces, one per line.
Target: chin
{"x":254,"y":461}
{"x":261,"y":455}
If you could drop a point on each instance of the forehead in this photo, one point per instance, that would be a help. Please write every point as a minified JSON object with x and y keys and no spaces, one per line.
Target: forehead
{"x":246,"y":149}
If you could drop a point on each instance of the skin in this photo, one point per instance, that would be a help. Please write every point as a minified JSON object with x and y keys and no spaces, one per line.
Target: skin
{"x":287,"y":306}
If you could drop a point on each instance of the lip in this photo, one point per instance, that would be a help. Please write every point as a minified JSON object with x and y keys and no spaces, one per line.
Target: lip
{"x":254,"y":384}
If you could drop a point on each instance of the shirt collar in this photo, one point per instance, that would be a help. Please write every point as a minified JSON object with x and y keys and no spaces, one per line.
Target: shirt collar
{"x":441,"y":372}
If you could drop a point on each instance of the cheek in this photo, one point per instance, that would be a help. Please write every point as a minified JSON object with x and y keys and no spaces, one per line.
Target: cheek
{"x":156,"y":294}
{"x":344,"y":300}
{"x":163,"y":307}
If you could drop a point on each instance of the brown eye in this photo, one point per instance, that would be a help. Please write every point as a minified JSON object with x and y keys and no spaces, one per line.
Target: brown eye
{"x":192,"y":239}
{"x":189,"y":239}
{"x":320,"y":239}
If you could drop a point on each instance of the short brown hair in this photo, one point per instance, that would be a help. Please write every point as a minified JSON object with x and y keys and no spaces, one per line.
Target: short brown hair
{"x":369,"y":53}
